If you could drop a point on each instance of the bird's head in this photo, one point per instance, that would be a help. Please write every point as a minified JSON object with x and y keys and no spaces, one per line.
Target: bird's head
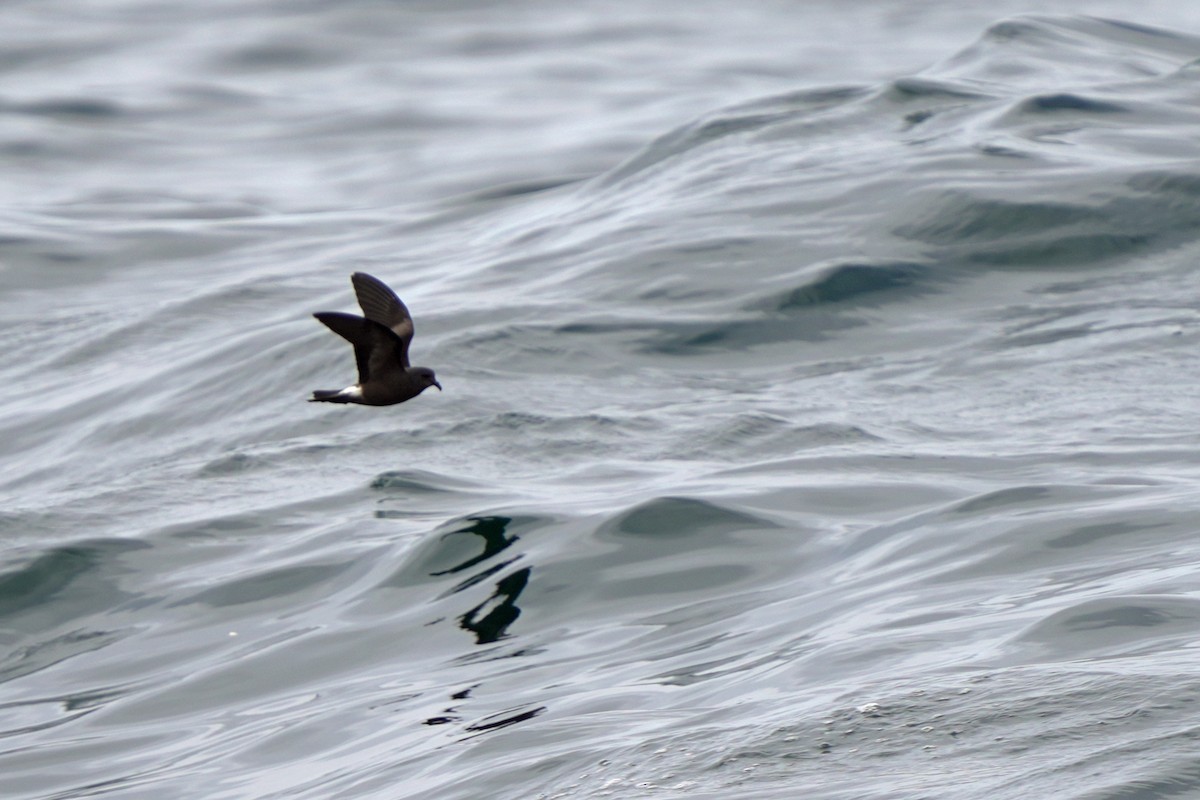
{"x":426,"y":378}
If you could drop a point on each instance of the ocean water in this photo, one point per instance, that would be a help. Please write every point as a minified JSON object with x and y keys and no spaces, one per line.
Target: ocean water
{"x":820,"y":413}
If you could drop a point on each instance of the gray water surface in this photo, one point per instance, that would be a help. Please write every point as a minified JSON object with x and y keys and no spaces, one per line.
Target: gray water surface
{"x":819,"y":416}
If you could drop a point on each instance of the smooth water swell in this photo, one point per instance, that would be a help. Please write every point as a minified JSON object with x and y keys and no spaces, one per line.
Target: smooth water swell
{"x":839,"y":439}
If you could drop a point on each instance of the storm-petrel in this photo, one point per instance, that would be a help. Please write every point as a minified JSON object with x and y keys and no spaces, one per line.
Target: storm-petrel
{"x":380,"y":348}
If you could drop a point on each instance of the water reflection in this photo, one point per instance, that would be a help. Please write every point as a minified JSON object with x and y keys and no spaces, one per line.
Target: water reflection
{"x":502,"y":609}
{"x":493,"y":532}
{"x":489,"y":621}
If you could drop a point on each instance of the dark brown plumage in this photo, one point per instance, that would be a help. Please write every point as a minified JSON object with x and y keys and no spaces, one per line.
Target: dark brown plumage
{"x":381,"y":341}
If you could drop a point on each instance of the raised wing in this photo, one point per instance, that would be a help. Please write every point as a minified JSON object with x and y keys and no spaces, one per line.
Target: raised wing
{"x":380,"y":304}
{"x":377,"y":350}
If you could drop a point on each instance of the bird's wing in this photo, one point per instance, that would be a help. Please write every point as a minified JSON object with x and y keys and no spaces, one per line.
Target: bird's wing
{"x":380,"y":304}
{"x":377,"y":350}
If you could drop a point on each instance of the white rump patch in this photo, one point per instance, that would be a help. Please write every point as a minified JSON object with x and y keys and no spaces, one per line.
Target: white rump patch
{"x":351,"y":391}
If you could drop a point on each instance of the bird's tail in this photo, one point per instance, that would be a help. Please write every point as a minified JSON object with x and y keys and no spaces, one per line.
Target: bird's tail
{"x":328,"y":396}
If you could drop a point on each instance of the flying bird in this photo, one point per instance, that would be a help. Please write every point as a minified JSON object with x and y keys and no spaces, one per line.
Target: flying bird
{"x":380,"y":348}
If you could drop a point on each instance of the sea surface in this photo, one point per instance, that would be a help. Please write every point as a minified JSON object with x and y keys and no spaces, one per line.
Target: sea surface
{"x":821,"y":412}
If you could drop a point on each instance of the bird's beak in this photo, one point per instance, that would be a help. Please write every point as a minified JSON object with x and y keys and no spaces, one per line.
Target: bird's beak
{"x":435,"y":383}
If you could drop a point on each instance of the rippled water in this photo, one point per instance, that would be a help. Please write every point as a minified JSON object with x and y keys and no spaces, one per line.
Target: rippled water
{"x":819,"y":418}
